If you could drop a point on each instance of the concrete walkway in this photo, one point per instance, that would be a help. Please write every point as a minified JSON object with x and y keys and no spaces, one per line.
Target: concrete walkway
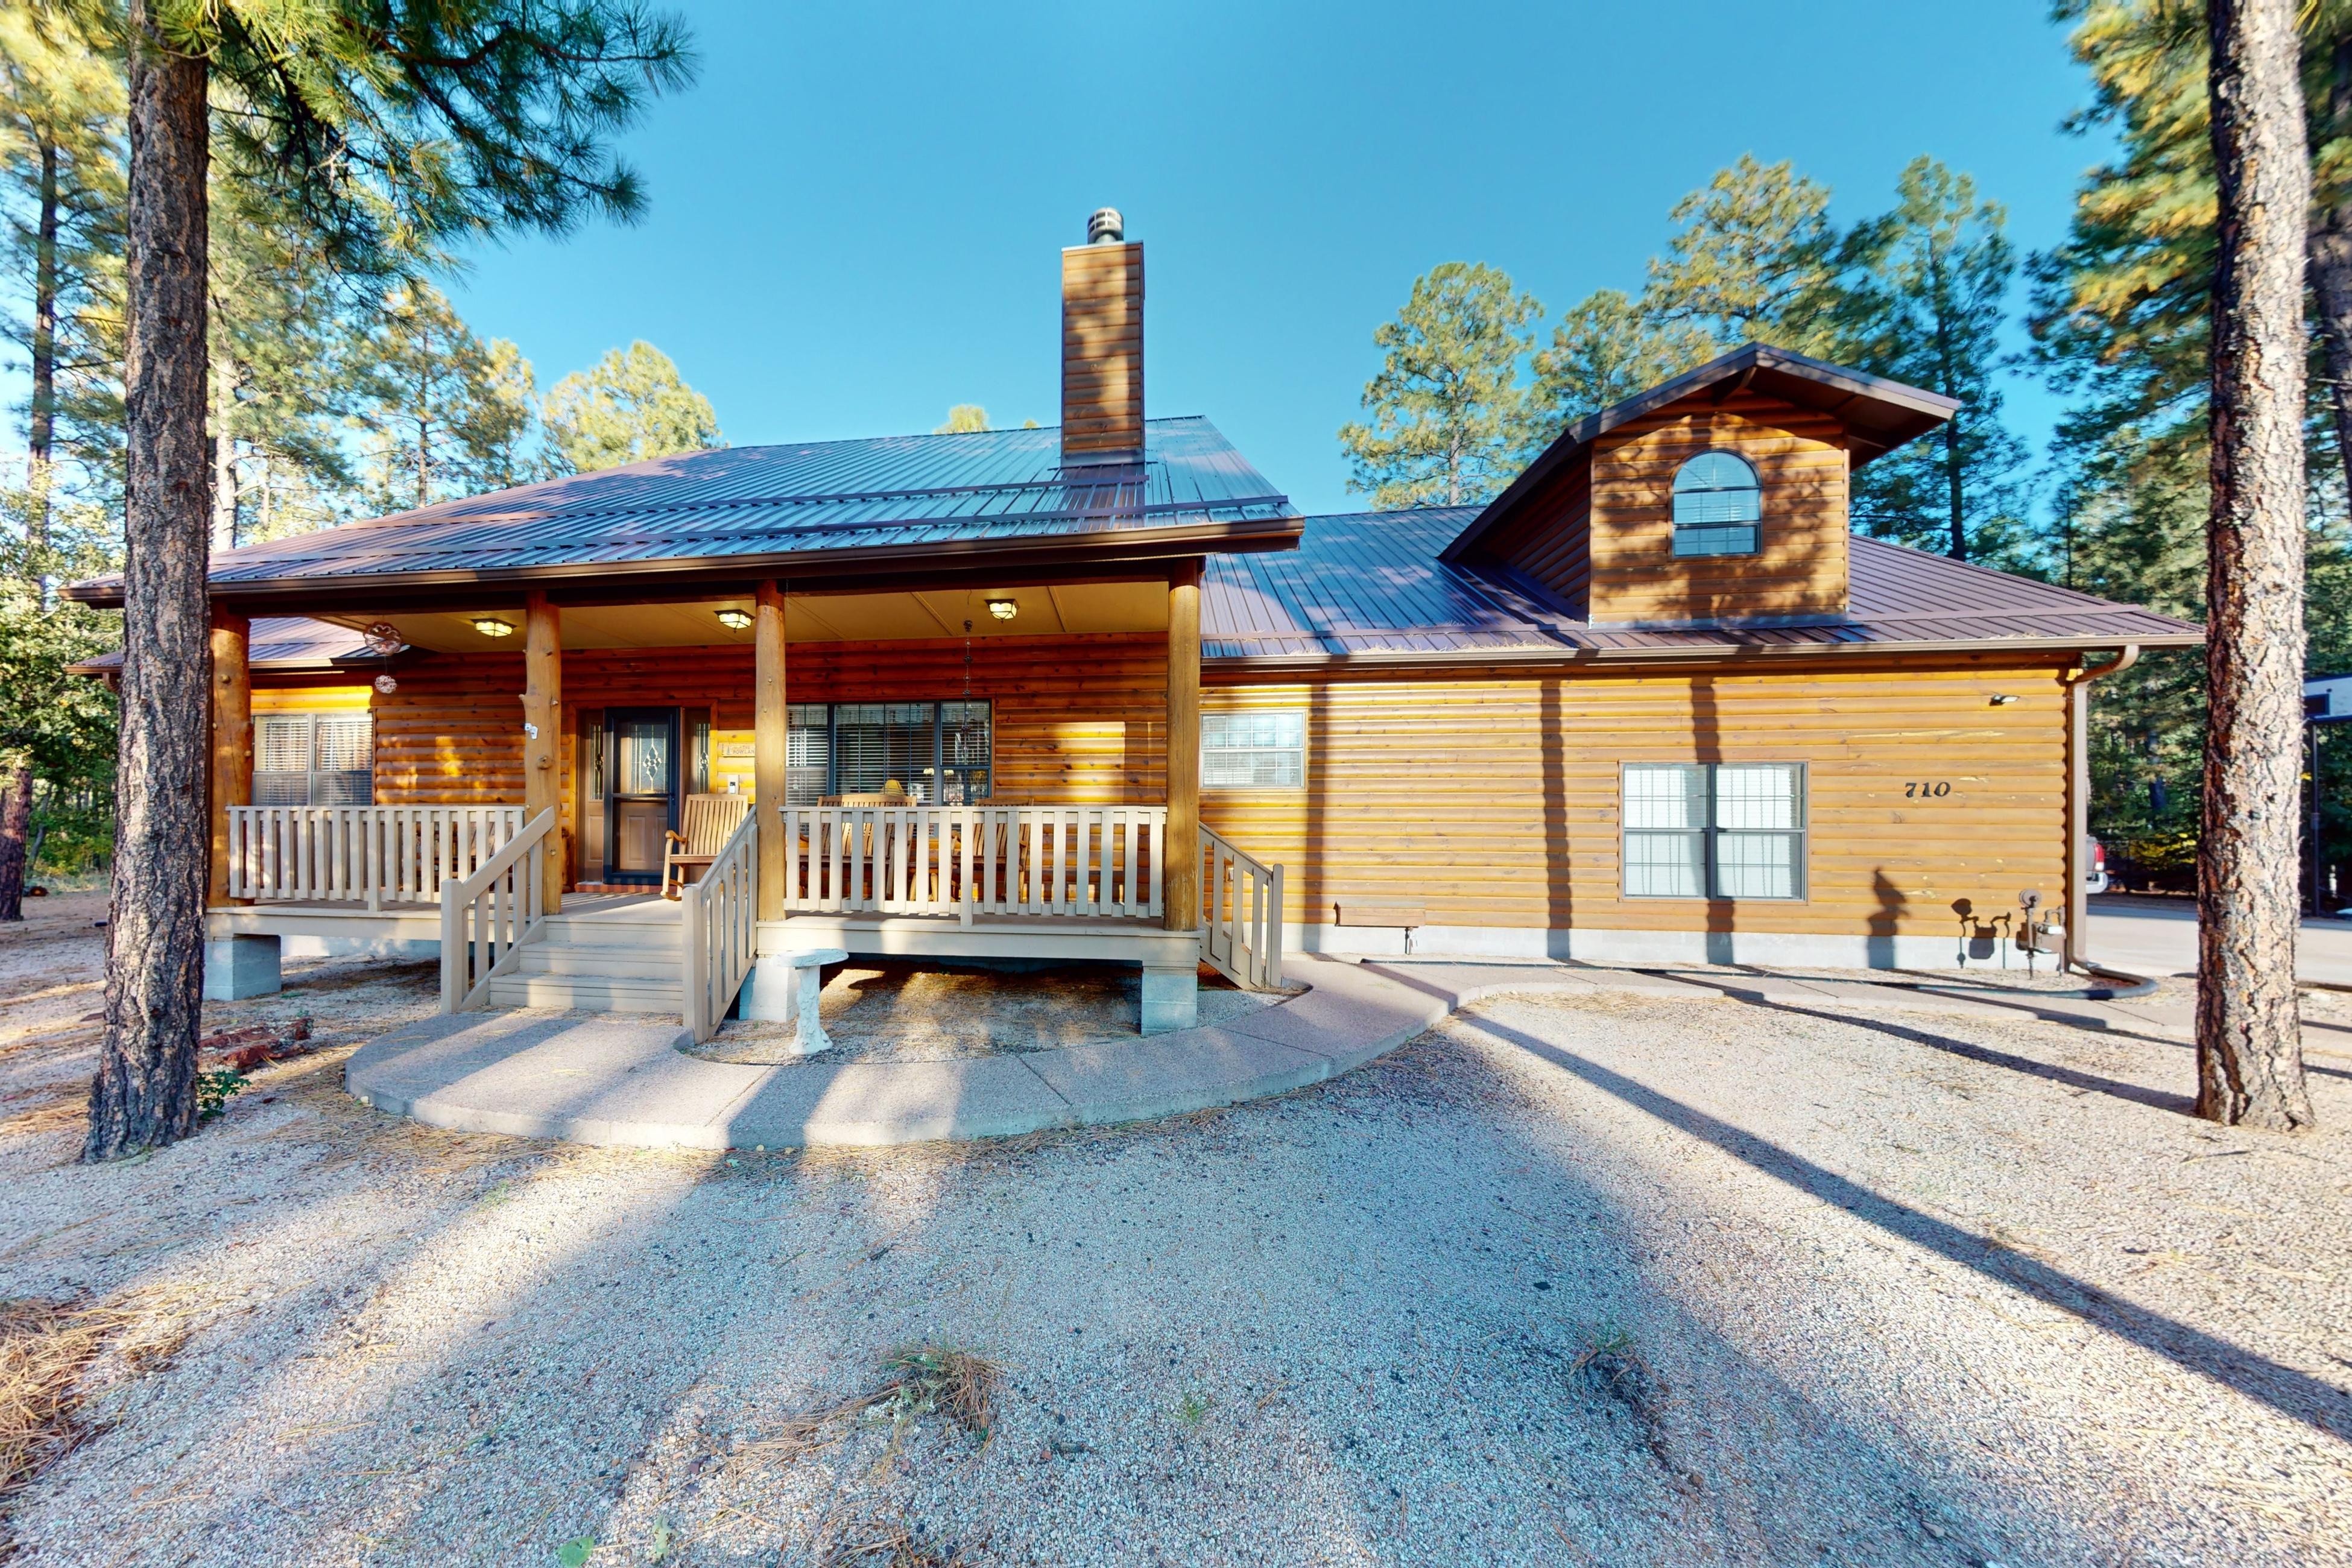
{"x":625,"y":1082}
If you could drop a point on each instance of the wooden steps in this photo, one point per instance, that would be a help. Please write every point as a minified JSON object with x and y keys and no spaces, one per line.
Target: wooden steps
{"x":623,"y":958}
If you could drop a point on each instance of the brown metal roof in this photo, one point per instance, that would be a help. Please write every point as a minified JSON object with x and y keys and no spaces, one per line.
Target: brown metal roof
{"x":1372,"y":586}
{"x":277,"y":642}
{"x":1369,"y":588}
{"x":1878,"y":415}
{"x":804,"y":509}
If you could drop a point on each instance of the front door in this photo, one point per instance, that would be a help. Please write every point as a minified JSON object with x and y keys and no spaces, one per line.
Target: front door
{"x":641,"y":765}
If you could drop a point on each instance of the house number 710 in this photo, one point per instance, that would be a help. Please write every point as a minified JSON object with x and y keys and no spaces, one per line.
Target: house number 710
{"x":1922,"y":789}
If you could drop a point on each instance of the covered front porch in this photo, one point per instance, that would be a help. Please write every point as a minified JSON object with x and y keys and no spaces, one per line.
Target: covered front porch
{"x":1067,"y":831}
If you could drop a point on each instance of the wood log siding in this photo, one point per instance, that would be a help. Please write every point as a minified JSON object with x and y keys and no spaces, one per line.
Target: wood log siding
{"x":1077,"y":719}
{"x":1552,"y":541}
{"x":1600,"y":532}
{"x":1451,"y":795}
{"x":1799,"y":565}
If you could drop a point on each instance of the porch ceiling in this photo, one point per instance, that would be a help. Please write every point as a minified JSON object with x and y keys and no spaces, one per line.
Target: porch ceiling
{"x":1040,"y":611}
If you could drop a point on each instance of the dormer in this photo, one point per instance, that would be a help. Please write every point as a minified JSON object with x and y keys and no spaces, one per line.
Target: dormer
{"x":1719,"y":497}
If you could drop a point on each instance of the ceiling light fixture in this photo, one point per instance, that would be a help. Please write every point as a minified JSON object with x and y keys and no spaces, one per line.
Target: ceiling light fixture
{"x":734,"y":620}
{"x":491,"y":627}
{"x":1004,"y":609}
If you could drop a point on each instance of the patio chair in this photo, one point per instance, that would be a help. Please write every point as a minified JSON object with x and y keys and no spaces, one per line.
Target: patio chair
{"x":709,"y":820}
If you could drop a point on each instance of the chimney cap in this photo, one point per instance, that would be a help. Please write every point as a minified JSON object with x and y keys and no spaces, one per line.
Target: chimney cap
{"x":1105,"y":226}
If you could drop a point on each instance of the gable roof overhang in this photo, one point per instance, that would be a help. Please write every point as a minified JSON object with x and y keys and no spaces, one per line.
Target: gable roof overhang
{"x":1878,"y":415}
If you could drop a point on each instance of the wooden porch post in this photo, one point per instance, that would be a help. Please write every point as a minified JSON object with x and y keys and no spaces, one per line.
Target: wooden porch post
{"x":1182,"y":876}
{"x":542,"y":716}
{"x":232,"y":747}
{"x":771,"y":736}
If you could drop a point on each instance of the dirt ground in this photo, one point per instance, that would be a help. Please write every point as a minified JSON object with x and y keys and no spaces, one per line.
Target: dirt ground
{"x":1609,"y":1280}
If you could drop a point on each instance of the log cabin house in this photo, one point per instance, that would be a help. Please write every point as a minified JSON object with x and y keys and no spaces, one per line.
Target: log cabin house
{"x":1101,"y":692}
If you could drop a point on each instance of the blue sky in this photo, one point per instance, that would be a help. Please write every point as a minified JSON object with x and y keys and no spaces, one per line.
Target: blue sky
{"x":855,"y":213}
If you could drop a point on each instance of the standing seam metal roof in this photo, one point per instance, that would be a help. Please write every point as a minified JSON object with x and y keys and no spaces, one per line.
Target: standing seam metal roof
{"x":1372,"y":582}
{"x":895,"y":491}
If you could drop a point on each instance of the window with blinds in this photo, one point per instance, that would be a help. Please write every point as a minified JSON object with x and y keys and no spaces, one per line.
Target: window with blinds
{"x":1263,"y":748}
{"x":940,"y":754}
{"x":808,"y":754}
{"x":313,"y":759}
{"x":1722,"y":830}
{"x":1718,"y":506}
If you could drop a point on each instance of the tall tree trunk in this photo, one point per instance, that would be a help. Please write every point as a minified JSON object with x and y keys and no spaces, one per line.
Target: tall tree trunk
{"x":15,"y":825}
{"x":224,"y":390}
{"x":41,"y":431}
{"x":144,"y":1093}
{"x":2249,"y":1038}
{"x":2331,"y":270}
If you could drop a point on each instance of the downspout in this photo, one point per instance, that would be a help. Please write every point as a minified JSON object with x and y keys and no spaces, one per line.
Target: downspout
{"x":2078,"y":797}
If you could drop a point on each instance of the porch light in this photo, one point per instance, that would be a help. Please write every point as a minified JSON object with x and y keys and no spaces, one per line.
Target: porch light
{"x":1004,"y":609}
{"x":491,"y":627}
{"x":734,"y":620}
{"x":2002,"y":700}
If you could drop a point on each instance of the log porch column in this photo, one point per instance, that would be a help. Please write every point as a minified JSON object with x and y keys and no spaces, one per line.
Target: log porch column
{"x":232,"y":739}
{"x":542,"y":716}
{"x":771,"y":736}
{"x":1182,"y":876}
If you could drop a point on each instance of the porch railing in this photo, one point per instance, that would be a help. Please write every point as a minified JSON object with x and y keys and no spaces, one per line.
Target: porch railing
{"x":1240,"y":915}
{"x":721,"y":913}
{"x":1081,"y":861}
{"x":381,"y":854}
{"x":485,"y":918}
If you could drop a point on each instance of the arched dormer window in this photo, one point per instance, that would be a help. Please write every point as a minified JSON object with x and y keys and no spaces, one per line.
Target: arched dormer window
{"x":1717,"y":504}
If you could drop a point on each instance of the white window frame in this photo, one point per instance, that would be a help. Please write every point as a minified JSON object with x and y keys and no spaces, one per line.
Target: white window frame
{"x":1711,"y":833}
{"x":313,"y":776}
{"x":1279,"y":748}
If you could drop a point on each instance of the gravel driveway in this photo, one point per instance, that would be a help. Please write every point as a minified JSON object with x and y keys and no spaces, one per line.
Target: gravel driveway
{"x":1604,"y":1281}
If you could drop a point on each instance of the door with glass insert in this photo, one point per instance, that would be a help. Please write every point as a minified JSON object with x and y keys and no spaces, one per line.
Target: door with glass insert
{"x":641,"y":777}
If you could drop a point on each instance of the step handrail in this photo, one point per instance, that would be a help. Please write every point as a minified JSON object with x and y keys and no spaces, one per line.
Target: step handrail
{"x":721,"y":913}
{"x":1240,"y":915}
{"x":487,"y":917}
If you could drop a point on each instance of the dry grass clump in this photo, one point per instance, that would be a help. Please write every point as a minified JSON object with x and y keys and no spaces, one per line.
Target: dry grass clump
{"x":44,"y":1348}
{"x":939,"y":1380}
{"x":48,"y":1349}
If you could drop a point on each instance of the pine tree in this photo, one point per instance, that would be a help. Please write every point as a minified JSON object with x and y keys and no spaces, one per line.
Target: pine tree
{"x":2249,"y":1032}
{"x":394,"y":129}
{"x":61,"y":150}
{"x":632,"y":404}
{"x":444,"y":413}
{"x":1755,"y":259}
{"x":1926,"y":303}
{"x":1607,"y":349}
{"x":1448,"y":415}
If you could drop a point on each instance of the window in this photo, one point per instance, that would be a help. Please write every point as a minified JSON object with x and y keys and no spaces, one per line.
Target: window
{"x":1261,"y":750}
{"x":313,"y":759}
{"x":939,"y":751}
{"x":1722,"y":830}
{"x":1717,"y":505}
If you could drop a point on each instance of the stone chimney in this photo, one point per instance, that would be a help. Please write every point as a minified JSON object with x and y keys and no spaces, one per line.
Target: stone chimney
{"x":1102,"y":346}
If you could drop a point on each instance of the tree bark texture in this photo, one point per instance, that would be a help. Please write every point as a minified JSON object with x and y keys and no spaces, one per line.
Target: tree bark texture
{"x":15,"y":830}
{"x":2249,"y":1036}
{"x":144,"y":1093}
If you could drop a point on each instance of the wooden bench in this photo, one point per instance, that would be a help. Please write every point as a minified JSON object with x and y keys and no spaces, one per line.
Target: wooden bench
{"x":709,"y":820}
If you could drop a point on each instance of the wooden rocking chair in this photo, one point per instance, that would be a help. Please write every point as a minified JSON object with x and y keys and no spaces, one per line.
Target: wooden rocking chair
{"x":709,"y":820}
